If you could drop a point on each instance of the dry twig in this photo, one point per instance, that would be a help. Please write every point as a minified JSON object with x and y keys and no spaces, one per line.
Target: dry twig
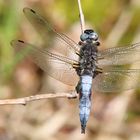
{"x":25,"y":100}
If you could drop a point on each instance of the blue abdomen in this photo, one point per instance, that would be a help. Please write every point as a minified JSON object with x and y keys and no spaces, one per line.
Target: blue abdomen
{"x":85,"y":100}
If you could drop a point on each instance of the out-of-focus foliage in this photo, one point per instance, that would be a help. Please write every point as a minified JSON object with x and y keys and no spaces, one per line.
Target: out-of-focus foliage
{"x":9,"y":22}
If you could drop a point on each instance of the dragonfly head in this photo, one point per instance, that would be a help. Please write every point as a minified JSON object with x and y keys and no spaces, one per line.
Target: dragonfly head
{"x":89,"y":35}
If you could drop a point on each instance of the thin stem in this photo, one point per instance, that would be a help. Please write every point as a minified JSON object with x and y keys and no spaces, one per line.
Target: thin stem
{"x":81,"y":15}
{"x":25,"y":100}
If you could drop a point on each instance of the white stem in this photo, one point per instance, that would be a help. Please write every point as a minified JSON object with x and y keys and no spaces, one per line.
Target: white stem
{"x":81,"y":15}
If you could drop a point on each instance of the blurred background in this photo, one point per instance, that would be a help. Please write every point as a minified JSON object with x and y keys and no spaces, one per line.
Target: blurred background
{"x":114,"y":116}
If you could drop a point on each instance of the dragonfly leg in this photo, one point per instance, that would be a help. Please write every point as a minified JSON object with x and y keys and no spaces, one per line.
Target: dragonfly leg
{"x":98,"y":71}
{"x":75,"y":65}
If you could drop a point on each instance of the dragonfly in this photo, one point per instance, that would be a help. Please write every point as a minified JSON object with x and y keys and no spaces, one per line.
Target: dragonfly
{"x":82,"y":65}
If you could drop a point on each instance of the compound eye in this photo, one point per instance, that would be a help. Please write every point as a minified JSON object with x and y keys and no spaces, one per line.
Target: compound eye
{"x":84,"y":37}
{"x":94,"y":36}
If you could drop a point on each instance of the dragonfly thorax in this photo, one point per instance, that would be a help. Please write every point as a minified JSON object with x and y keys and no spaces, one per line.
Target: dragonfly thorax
{"x":88,"y":59}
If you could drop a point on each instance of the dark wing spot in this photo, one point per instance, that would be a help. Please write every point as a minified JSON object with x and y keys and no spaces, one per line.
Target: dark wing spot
{"x":21,"y":41}
{"x":26,"y":9}
{"x":32,"y":11}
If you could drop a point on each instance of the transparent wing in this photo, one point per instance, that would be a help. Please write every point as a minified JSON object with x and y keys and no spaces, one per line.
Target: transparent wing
{"x":119,"y":56}
{"x":44,"y":28}
{"x":57,"y":66}
{"x":113,"y":80}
